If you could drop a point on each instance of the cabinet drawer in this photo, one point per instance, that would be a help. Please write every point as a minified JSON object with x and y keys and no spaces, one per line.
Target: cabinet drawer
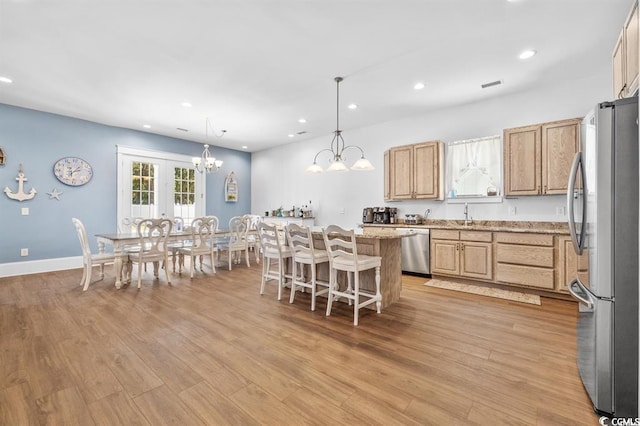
{"x":525,"y":255}
{"x":444,"y":234}
{"x":525,"y":275}
{"x":476,"y":236}
{"x":524,"y":238}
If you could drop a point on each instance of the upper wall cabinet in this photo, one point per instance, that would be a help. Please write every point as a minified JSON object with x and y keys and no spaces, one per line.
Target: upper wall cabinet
{"x":626,"y":58}
{"x":537,"y":158}
{"x":414,"y":172}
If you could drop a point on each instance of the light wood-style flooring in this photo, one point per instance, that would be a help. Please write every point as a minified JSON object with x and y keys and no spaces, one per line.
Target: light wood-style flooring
{"x":213,"y":351}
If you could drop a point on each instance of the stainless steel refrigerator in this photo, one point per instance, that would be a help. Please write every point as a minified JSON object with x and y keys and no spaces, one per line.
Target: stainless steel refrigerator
{"x":602,"y":205}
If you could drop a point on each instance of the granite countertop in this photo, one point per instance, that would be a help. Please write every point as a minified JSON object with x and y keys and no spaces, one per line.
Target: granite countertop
{"x":560,"y":228}
{"x":383,"y":232}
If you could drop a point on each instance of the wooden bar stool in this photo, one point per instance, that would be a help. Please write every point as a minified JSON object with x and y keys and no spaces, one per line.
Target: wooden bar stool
{"x":343,"y":256}
{"x":301,"y":243}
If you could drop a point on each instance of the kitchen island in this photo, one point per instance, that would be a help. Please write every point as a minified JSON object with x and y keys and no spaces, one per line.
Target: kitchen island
{"x":373,"y":242}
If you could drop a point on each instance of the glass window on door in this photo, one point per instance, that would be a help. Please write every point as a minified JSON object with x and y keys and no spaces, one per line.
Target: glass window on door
{"x":184,"y":194}
{"x":143,"y":189}
{"x":158,"y":184}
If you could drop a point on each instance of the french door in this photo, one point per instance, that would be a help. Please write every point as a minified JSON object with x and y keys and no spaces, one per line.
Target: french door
{"x":153,"y":184}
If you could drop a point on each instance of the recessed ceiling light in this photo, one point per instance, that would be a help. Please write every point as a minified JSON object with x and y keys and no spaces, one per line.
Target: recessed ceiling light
{"x":186,"y":104}
{"x":527,"y":54}
{"x":6,"y":80}
{"x":146,"y":126}
{"x":352,"y":106}
{"x":302,"y":120}
{"x":291,"y":135}
{"x":419,"y":86}
{"x":244,"y":147}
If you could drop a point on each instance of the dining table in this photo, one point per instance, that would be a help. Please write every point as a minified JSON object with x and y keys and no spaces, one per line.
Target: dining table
{"x":120,"y":240}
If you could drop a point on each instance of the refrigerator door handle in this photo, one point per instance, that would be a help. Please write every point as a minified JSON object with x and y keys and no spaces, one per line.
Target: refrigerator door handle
{"x":582,"y":295}
{"x":578,"y":244}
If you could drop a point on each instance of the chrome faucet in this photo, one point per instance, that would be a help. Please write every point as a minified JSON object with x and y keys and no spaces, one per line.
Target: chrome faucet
{"x":466,"y":214}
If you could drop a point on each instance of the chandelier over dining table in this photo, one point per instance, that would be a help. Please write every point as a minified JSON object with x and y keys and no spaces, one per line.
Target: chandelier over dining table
{"x":338,"y":147}
{"x":207,"y":162}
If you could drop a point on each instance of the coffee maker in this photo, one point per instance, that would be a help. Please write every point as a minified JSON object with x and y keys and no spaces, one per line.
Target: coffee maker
{"x":367,"y":215}
{"x":380,"y":215}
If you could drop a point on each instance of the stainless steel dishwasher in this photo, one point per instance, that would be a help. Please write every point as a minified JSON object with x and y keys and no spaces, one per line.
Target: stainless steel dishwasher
{"x":415,"y":250}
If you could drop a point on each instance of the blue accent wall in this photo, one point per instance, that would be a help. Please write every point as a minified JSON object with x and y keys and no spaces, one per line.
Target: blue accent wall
{"x":37,"y":140}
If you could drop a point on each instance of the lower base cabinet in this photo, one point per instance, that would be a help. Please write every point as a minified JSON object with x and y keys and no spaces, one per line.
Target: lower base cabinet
{"x":524,"y":259}
{"x":466,"y":254}
{"x":570,"y":264}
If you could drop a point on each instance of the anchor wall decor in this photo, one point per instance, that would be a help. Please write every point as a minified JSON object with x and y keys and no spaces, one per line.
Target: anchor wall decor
{"x":20,"y":195}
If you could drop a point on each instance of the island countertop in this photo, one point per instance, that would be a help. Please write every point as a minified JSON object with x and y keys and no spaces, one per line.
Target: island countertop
{"x":378,"y":233}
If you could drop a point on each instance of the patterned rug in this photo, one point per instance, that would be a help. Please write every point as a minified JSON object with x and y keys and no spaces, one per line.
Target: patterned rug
{"x":515,"y":296}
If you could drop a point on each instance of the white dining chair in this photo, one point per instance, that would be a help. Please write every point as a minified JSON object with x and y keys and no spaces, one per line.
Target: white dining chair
{"x":175,"y":246}
{"x":237,"y":241}
{"x":89,"y":260}
{"x":153,"y":235}
{"x":252,"y":234}
{"x":300,"y":241}
{"x":129,"y":224}
{"x":343,"y":256}
{"x":274,"y":252}
{"x":201,"y":243}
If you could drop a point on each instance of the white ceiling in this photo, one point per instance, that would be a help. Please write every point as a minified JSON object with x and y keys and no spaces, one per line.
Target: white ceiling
{"x":254,"y":67}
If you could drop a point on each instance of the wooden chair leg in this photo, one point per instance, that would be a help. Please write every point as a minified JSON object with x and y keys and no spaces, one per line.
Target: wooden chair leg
{"x":265,"y":269}
{"x":84,"y":275}
{"x":378,"y":295}
{"x":87,"y":277}
{"x":332,"y":278}
{"x":293,"y":281}
{"x":356,"y":295}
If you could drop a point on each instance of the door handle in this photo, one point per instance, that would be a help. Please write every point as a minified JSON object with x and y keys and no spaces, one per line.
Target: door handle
{"x":575,"y":166}
{"x":582,"y":299}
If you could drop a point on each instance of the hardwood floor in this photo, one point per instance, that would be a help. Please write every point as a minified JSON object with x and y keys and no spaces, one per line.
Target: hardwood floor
{"x":213,"y":351}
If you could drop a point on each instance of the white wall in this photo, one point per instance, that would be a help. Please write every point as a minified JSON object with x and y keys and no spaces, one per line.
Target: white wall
{"x":278,"y":176}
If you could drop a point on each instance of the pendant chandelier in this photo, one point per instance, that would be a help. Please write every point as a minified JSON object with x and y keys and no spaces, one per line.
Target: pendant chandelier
{"x":338,"y":147}
{"x":206,"y":162}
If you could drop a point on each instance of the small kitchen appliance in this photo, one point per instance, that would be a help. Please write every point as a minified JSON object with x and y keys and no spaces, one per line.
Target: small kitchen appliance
{"x":378,"y":214}
{"x":367,"y":215}
{"x":412,"y":219}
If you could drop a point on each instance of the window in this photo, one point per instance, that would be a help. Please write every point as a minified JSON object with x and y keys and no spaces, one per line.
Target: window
{"x":184,"y":193}
{"x":154,"y":184}
{"x":474,"y":168}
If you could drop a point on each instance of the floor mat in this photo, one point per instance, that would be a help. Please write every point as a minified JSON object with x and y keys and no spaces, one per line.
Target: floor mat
{"x":515,"y":296}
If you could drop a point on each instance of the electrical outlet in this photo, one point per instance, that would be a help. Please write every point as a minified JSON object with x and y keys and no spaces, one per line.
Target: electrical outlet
{"x":341,"y":211}
{"x":560,"y":211}
{"x":25,"y":211}
{"x":512,"y":210}
{"x":24,"y":252}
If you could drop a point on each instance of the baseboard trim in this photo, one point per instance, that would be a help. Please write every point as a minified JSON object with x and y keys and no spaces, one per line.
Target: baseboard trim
{"x":39,"y":266}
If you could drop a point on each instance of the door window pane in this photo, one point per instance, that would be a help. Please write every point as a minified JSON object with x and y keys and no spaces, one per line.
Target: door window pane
{"x":184,"y":194}
{"x":143,"y":189}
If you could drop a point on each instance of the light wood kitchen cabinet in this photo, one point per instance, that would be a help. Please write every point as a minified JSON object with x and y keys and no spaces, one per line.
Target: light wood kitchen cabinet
{"x":525,"y":259}
{"x":537,"y":158}
{"x":466,"y":254}
{"x":570,"y":264}
{"x":415,"y":172}
{"x":626,"y":58}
